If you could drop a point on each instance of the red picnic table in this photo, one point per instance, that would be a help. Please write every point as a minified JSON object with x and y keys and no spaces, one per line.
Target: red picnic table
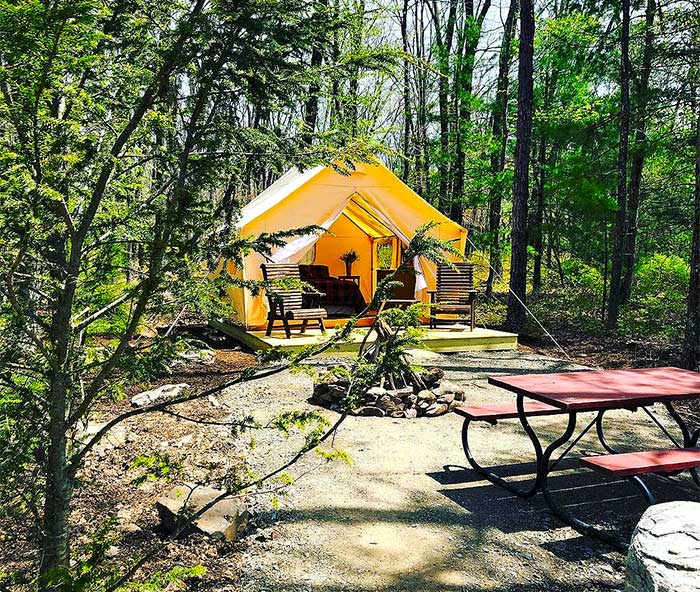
{"x":572,"y":393}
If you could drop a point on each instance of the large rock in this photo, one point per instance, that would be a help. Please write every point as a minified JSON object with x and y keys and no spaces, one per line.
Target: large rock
{"x":450,"y":388}
{"x":436,"y":409}
{"x":330,"y":388}
{"x":664,"y":555}
{"x":432,"y":376}
{"x":226,"y":519}
{"x":117,"y":437}
{"x":167,"y":391}
{"x":376,"y":392}
{"x":426,"y":397}
{"x":370,"y":411}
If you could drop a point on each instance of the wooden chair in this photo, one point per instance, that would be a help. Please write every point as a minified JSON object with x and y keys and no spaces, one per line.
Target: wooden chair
{"x":293,"y":304}
{"x":455,"y":293}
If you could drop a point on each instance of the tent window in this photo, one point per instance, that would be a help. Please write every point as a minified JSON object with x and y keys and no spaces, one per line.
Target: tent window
{"x":385,"y":255}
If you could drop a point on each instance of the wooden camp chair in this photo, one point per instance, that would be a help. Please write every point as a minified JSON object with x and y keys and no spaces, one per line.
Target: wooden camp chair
{"x":455,"y":293}
{"x":289,"y":305}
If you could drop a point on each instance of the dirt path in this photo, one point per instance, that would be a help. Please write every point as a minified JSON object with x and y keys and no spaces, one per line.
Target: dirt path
{"x":398,"y":520}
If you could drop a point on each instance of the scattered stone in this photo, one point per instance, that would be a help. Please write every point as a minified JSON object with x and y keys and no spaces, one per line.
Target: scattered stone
{"x":436,"y":409}
{"x":227,"y":518}
{"x":117,"y":437}
{"x":124,"y":514}
{"x":455,"y":404}
{"x":446,"y":398}
{"x":184,"y":441}
{"x":167,"y":391}
{"x":402,"y":393}
{"x":426,"y":395}
{"x":664,"y":555}
{"x":447,"y":386}
{"x":432,"y":376}
{"x":370,"y":411}
{"x":130,"y":527}
{"x":411,"y":400}
{"x":330,"y":390}
{"x":386,"y":400}
{"x":377,"y":391}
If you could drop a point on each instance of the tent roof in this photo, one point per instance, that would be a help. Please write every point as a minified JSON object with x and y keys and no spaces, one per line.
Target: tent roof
{"x":287,"y":184}
{"x":359,"y":212}
{"x":294,"y":180}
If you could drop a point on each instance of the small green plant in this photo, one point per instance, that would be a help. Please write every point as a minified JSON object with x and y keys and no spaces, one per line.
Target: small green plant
{"x":155,"y":467}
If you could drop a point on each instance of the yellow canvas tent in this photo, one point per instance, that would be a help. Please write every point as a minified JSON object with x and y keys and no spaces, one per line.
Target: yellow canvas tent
{"x":370,"y":206}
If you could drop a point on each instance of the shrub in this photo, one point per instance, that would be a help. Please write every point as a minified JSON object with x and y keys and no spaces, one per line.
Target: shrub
{"x":657,"y":305}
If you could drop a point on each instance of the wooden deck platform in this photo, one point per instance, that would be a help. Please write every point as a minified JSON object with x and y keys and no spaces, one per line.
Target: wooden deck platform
{"x":449,"y":339}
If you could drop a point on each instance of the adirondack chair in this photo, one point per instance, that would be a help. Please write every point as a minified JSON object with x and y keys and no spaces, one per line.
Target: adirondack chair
{"x":293,"y":304}
{"x":455,"y":293}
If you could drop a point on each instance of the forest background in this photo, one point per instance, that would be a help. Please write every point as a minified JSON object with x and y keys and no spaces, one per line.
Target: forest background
{"x":564,"y":135}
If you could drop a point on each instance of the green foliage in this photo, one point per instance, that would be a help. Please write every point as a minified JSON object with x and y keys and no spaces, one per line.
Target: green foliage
{"x":94,"y":572}
{"x":573,"y":304}
{"x":130,"y":134}
{"x":658,"y":303}
{"x":154,"y":467}
{"x":143,"y":363}
{"x":335,"y":455}
{"x":583,"y":276}
{"x":178,"y":578}
{"x":311,"y":424}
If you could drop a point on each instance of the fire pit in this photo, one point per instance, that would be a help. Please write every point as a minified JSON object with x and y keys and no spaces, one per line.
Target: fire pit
{"x":437,"y":398}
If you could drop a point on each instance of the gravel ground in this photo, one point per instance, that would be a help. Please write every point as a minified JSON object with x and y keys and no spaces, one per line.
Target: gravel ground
{"x":407,"y":515}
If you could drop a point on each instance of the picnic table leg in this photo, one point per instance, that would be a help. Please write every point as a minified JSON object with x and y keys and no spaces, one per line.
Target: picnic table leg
{"x":546,"y":466}
{"x":601,"y":433}
{"x":581,"y":526}
{"x":587,"y":529}
{"x":491,"y":476}
{"x":543,"y":457}
{"x":689,"y":440}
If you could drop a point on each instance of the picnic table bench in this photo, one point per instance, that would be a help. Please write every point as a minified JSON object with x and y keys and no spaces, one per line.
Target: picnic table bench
{"x":571,"y":393}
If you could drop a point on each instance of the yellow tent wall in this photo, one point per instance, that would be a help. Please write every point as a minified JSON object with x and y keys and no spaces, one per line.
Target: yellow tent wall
{"x":319,"y":196}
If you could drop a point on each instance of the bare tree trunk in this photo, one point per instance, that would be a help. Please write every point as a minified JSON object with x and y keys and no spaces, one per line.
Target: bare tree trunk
{"x":423,"y":148}
{"x":463,"y":84}
{"x":638,"y":156}
{"x":58,"y":491}
{"x":538,"y":218}
{"x":499,"y":129}
{"x":691,"y":344}
{"x":311,"y":106}
{"x":353,"y":108}
{"x":407,"y":116}
{"x":614,"y":298}
{"x":335,"y":107}
{"x":443,"y":41}
{"x":518,"y":261}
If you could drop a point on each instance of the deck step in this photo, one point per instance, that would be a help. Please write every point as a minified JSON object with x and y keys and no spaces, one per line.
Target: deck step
{"x":495,"y":411}
{"x":628,"y":464}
